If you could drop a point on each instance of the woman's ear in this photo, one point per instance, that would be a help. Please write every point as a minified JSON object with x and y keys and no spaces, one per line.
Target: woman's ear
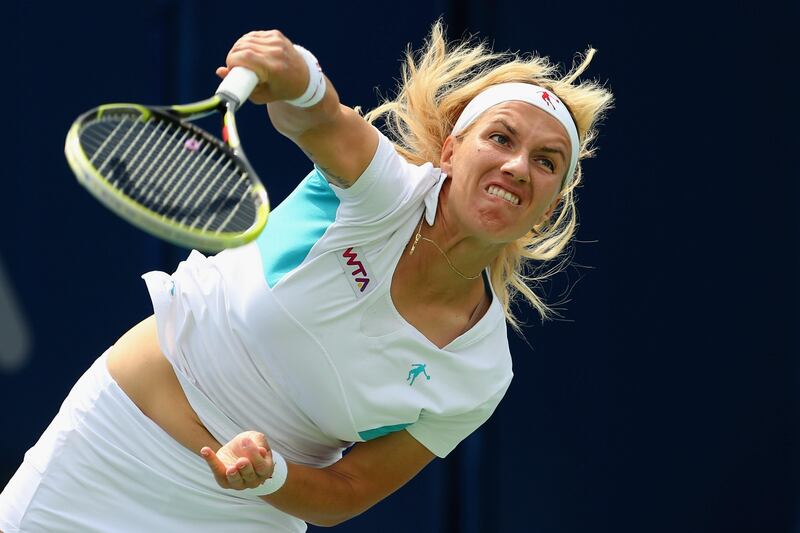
{"x":553,"y":206}
{"x":446,"y":159}
{"x":550,"y":210}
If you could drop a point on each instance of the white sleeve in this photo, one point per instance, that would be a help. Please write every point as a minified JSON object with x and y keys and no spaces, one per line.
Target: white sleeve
{"x":387,"y":184}
{"x":441,"y":434}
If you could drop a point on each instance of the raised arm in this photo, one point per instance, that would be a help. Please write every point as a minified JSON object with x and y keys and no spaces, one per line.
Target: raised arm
{"x":336,"y":138}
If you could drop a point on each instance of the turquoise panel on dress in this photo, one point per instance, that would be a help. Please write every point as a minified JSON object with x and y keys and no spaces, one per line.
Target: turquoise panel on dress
{"x":296,"y":225}
{"x":380,"y":432}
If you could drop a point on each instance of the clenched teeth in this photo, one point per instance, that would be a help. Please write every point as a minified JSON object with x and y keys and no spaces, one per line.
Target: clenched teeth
{"x":504,"y":194}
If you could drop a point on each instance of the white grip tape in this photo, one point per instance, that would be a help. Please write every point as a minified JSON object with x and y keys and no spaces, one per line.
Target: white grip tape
{"x":238,"y":85}
{"x":277,"y":480}
{"x":316,"y":81}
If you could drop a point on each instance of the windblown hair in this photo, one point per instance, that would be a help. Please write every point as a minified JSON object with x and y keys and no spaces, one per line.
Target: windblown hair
{"x":437,"y":84}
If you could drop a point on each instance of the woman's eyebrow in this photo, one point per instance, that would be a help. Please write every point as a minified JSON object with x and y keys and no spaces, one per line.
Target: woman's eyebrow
{"x":553,"y":150}
{"x":506,"y":125}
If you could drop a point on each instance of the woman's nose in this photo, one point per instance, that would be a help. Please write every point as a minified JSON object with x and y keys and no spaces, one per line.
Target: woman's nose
{"x":517,"y":168}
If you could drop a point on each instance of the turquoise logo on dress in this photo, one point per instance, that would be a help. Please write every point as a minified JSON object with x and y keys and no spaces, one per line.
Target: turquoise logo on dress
{"x":416,"y":370}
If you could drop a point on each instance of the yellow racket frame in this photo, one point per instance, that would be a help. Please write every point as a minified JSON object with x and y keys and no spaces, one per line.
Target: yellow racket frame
{"x":146,"y":219}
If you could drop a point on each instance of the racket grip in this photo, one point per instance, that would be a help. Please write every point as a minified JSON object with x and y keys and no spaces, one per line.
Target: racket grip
{"x":238,"y":85}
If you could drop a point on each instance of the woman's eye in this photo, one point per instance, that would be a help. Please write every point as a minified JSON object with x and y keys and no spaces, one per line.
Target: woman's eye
{"x":499,"y":138}
{"x":548,"y":164}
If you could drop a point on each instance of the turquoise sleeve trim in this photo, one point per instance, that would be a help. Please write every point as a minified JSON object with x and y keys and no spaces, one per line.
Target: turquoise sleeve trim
{"x":380,"y":432}
{"x":296,"y":225}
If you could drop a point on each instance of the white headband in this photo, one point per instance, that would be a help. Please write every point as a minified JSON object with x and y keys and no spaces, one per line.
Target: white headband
{"x":531,"y":94}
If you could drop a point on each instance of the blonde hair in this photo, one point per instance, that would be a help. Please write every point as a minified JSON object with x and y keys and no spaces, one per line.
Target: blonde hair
{"x":436,"y":85}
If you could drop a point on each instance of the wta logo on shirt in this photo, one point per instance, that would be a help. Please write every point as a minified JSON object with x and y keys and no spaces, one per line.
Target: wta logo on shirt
{"x":355,"y":266}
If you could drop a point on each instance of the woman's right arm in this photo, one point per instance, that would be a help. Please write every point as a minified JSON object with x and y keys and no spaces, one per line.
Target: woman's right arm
{"x":336,"y":138}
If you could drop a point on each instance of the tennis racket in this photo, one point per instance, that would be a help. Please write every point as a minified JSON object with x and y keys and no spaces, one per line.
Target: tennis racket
{"x":169,"y":177}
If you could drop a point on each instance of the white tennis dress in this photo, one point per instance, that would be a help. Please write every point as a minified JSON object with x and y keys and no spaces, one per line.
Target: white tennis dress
{"x":294,"y":335}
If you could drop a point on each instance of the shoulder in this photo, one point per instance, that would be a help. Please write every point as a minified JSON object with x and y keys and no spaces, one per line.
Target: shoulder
{"x":388,"y":184}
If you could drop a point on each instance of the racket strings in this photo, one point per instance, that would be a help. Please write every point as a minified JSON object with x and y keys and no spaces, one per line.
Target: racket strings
{"x":171,"y":170}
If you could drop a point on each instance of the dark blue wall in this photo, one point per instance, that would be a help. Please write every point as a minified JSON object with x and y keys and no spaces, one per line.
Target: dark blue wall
{"x":665,"y":401}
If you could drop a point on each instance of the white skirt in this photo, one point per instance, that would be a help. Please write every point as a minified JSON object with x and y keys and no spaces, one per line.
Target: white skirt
{"x":102,"y":465}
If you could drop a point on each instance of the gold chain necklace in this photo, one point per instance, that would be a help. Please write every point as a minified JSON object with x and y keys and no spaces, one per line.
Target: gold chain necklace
{"x":450,"y":263}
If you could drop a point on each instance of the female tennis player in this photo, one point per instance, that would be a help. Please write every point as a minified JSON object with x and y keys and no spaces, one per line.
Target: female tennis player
{"x":370,"y":315}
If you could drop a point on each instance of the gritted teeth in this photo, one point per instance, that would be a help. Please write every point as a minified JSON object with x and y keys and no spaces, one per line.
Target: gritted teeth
{"x":494,"y":190}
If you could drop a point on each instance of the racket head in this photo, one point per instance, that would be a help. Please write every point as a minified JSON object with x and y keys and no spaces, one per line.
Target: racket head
{"x":167,"y":176}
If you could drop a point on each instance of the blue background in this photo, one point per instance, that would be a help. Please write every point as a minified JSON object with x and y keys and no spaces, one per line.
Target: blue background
{"x":664,"y":401}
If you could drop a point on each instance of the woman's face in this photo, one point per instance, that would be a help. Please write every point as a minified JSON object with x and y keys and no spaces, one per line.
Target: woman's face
{"x":506,"y":172}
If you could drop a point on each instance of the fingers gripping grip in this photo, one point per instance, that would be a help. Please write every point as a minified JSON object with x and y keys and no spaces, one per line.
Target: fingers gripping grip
{"x":238,"y":85}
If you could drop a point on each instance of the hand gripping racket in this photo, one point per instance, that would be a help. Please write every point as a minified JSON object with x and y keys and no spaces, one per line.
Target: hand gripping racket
{"x":169,"y":177}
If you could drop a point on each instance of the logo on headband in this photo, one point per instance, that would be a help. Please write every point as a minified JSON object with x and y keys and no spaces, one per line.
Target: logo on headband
{"x":549,"y":98}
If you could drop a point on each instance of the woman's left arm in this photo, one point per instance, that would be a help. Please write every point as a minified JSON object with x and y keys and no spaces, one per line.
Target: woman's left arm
{"x":328,"y":496}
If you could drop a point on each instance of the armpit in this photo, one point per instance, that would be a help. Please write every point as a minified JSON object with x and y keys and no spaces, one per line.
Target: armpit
{"x":334,"y":179}
{"x":327,"y":174}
